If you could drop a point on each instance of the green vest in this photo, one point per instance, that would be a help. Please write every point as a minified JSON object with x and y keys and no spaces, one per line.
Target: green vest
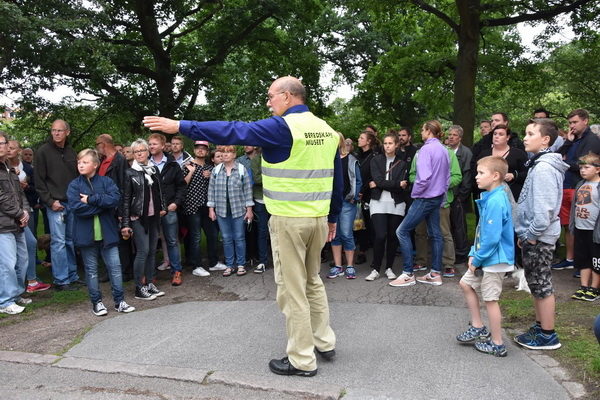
{"x":301,"y":186}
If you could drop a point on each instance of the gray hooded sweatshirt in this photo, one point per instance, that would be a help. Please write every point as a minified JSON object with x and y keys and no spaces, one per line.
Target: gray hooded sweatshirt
{"x":540,"y":199}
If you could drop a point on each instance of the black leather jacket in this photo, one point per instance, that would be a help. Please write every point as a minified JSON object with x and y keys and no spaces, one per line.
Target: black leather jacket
{"x":12,"y":200}
{"x":135,"y":191}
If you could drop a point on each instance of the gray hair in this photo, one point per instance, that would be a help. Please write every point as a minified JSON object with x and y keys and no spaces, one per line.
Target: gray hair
{"x":139,"y":143}
{"x":458,"y":129}
{"x":595,"y":129}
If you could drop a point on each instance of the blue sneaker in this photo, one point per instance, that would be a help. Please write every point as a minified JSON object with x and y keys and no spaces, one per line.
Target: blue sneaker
{"x":564,"y":264}
{"x":541,"y":341}
{"x":489,"y":347}
{"x":472,"y":334}
{"x":350,"y":272}
{"x":334,"y":272}
{"x":533,"y":330}
{"x":577,"y":273}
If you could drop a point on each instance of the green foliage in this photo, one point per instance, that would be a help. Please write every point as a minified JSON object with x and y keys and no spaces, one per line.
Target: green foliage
{"x":157,"y":56}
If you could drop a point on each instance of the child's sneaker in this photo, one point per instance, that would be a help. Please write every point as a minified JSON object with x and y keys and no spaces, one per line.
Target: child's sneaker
{"x":533,"y":330}
{"x":334,"y":272}
{"x":489,"y":347}
{"x":580,"y":293}
{"x":540,"y":341}
{"x":473,"y":334}
{"x":350,"y":272}
{"x":591,"y":294}
{"x":564,"y":264}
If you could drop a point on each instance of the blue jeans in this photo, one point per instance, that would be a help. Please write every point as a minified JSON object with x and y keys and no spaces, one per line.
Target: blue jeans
{"x":31,"y":253}
{"x":261,"y":215}
{"x":64,"y":264}
{"x":197,"y":223}
{"x":112,"y":263}
{"x":428,"y":209}
{"x":170,"y":231}
{"x":12,"y":267}
{"x":234,"y":240}
{"x":344,"y":234}
{"x":145,"y":250}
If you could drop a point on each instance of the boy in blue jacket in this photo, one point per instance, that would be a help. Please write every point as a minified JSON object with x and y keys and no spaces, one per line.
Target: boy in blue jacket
{"x":94,"y":199}
{"x":490,"y":258}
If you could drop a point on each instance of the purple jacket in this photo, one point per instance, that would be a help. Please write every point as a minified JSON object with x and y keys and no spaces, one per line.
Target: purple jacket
{"x":433,"y":170}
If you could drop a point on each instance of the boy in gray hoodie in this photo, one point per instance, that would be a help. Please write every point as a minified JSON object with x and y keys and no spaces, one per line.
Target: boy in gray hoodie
{"x":538,"y":227}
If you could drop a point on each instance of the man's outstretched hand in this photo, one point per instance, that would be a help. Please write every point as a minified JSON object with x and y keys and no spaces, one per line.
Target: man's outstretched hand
{"x":162,"y":124}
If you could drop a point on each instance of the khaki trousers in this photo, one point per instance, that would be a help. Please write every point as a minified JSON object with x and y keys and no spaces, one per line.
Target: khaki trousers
{"x":297,"y":244}
{"x":422,"y":256}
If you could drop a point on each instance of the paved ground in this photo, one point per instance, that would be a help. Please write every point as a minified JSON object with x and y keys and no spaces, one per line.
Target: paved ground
{"x":392,"y":343}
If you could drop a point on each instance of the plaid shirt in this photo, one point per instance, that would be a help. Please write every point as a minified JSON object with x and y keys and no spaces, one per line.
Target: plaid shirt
{"x":240,"y":192}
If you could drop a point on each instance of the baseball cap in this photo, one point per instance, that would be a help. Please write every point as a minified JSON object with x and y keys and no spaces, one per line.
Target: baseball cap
{"x":201,"y":143}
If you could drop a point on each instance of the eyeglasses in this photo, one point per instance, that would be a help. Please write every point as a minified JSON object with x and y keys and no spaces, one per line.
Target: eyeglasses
{"x":98,"y":144}
{"x":271,"y":95}
{"x":3,"y":143}
{"x":58,"y":130}
{"x":140,"y":151}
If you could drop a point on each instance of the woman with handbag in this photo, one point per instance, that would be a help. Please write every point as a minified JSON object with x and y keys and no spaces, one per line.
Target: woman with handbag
{"x":387,"y":206}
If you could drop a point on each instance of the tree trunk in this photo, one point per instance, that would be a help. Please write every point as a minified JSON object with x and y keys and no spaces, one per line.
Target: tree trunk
{"x":466,"y":67}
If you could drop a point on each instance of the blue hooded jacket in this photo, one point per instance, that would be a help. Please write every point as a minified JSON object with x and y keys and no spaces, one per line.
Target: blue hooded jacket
{"x":103,"y":200}
{"x":494,"y":240}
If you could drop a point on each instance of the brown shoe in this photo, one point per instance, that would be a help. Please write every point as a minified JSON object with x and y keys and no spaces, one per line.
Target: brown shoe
{"x":176,"y":280}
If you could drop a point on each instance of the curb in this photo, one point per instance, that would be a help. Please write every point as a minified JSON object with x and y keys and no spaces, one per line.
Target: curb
{"x":293,"y":385}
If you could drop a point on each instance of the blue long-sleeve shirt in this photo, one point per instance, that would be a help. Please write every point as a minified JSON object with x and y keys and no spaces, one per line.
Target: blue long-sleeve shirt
{"x":272,"y":134}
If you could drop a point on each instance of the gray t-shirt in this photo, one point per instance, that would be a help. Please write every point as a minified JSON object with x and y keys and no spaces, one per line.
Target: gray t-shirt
{"x":587,"y":200}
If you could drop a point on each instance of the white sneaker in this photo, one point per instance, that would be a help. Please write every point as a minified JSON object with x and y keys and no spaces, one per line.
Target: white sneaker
{"x":260,"y":268}
{"x":124,"y":307}
{"x":14,"y":308}
{"x":200,"y":272}
{"x":372,"y":276}
{"x":23,"y":301}
{"x":390,"y":274}
{"x":219,"y":266}
{"x":164,"y":266}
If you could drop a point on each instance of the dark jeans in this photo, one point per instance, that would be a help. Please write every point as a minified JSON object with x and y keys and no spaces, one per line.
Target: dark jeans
{"x":145,"y":244}
{"x":197,"y":223}
{"x":384,"y":226}
{"x":261,"y":216}
{"x":458,"y":226}
{"x":422,"y":209}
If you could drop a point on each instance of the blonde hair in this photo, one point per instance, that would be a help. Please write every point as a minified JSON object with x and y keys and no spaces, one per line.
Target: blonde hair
{"x":591,"y":159}
{"x":226,"y":149}
{"x":93,"y":154}
{"x":494,"y":164}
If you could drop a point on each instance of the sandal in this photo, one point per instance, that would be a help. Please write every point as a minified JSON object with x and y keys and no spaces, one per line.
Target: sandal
{"x":228,"y":271}
{"x":241,"y":270}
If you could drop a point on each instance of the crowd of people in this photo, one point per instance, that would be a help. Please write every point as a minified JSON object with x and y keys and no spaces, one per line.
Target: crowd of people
{"x":117,"y":202}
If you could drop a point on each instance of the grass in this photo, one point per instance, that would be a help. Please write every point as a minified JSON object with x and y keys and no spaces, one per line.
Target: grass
{"x":76,"y":340}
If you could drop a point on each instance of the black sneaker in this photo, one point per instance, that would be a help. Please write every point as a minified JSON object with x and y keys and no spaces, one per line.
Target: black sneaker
{"x":142,"y":293}
{"x":99,"y":309}
{"x":152,"y":289}
{"x":591,"y":294}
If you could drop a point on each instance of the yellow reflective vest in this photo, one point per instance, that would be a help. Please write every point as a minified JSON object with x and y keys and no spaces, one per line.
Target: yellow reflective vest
{"x":301,"y":186}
